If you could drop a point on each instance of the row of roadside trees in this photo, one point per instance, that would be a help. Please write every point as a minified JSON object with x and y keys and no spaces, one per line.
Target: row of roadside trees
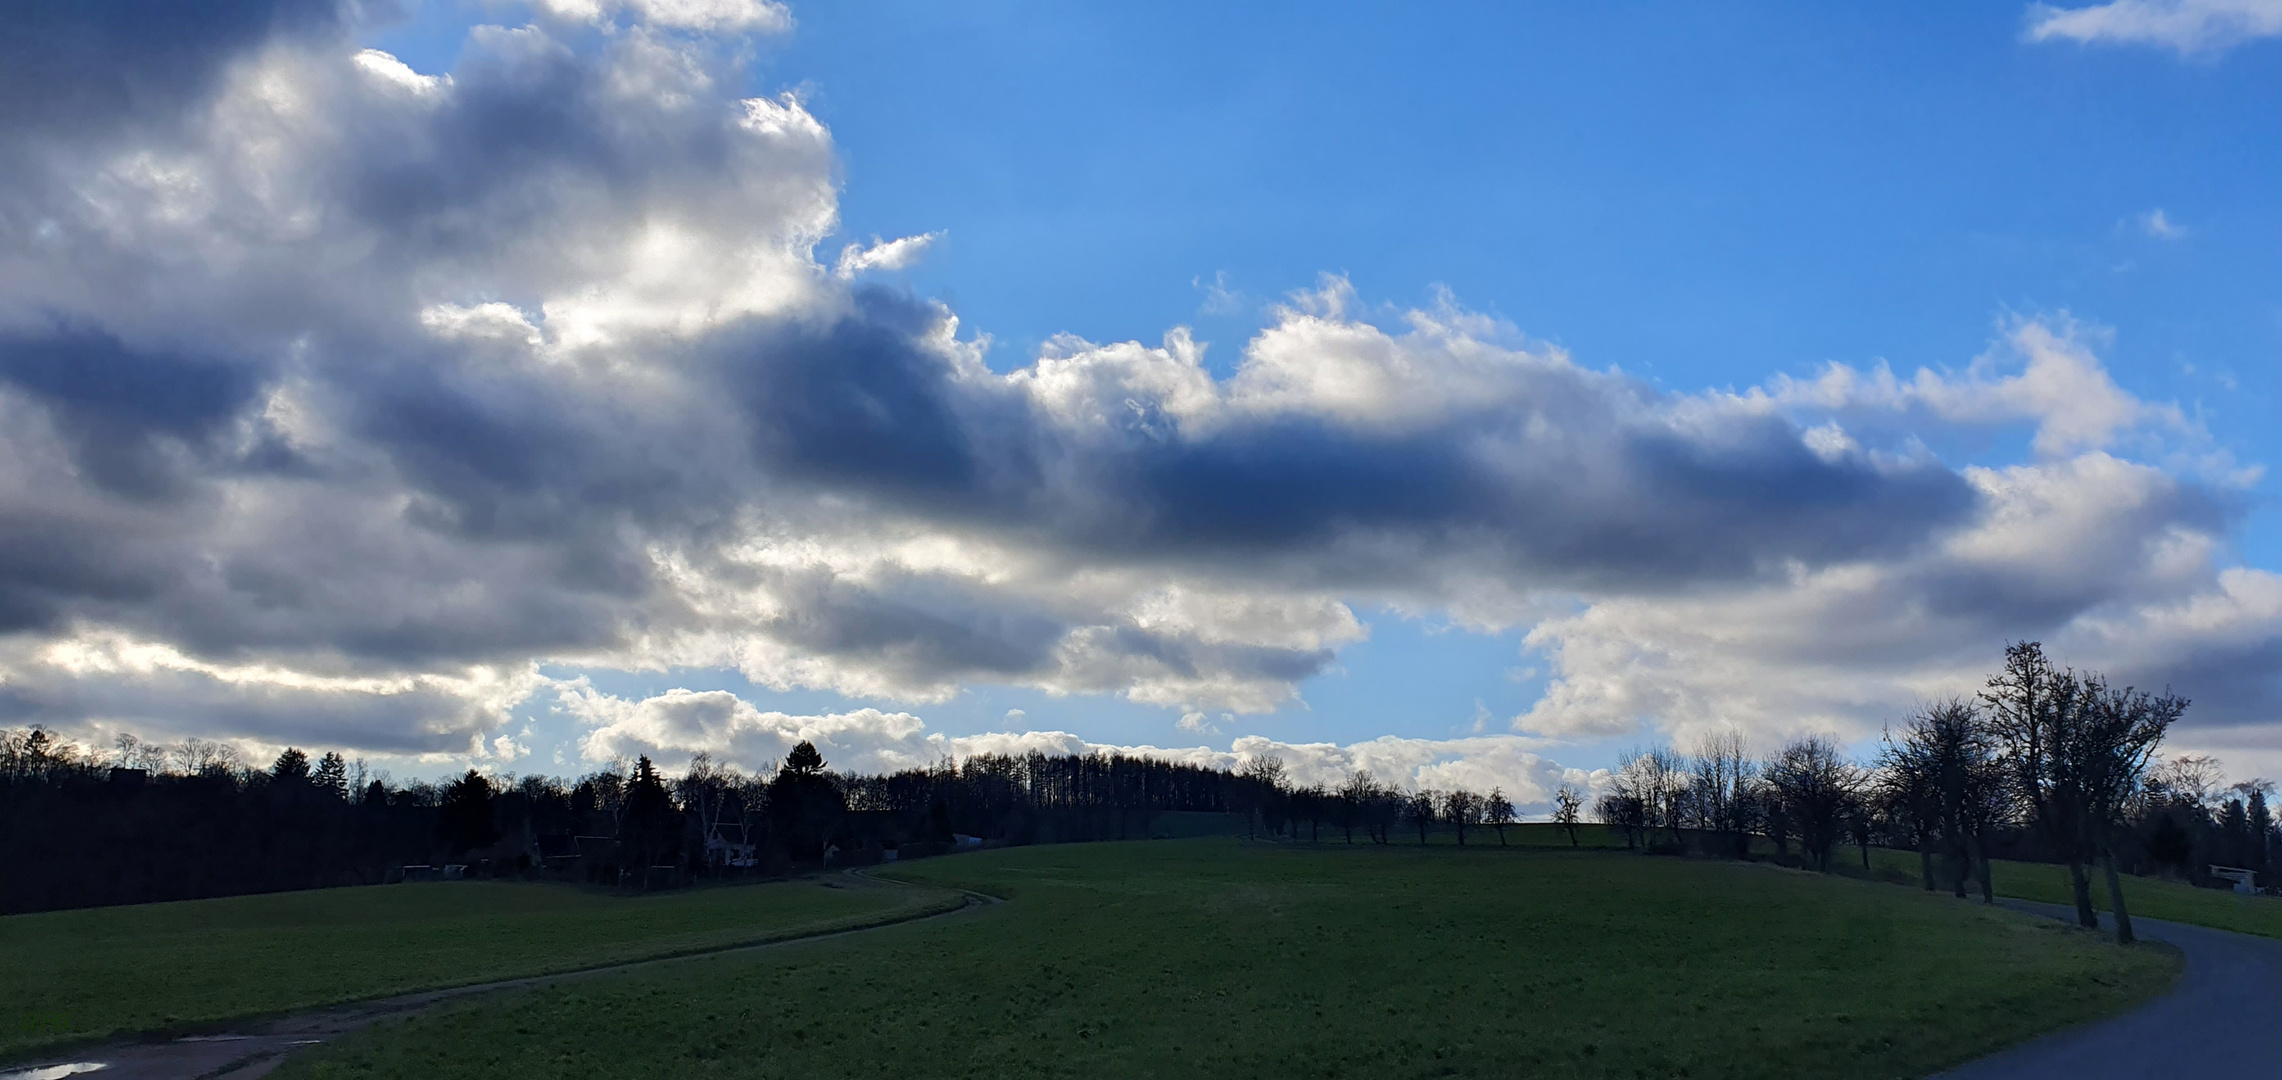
{"x":2044,"y":763}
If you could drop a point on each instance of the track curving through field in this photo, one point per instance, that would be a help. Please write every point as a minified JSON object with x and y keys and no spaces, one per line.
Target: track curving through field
{"x":252,"y":1049}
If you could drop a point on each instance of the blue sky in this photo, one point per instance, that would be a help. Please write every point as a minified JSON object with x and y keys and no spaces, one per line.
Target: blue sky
{"x":587,"y":487}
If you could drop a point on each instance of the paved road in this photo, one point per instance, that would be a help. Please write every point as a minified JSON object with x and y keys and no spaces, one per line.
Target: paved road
{"x":2220,"y":1021}
{"x":253,"y":1049}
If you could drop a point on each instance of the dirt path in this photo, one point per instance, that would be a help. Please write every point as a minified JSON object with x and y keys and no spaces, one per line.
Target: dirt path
{"x":2219,"y":1020}
{"x":257,"y":1047}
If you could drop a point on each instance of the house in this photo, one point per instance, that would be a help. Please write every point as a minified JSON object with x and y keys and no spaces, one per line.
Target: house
{"x":730,"y":846}
{"x":2245,"y":881}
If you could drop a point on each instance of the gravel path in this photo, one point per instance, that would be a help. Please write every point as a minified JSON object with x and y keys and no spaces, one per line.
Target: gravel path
{"x":255,"y":1048}
{"x":2220,"y":1021}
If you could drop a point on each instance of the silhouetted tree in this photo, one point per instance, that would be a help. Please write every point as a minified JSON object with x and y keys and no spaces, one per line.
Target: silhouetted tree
{"x":1497,"y":812}
{"x":292,"y":767}
{"x":649,"y":828}
{"x":1817,"y":788}
{"x":1463,"y":810}
{"x":463,"y":819}
{"x":1566,"y":804}
{"x":1723,"y":775}
{"x":805,"y":806}
{"x":2035,"y":710}
{"x":1419,"y":810}
{"x":332,"y":775}
{"x":2108,"y":752}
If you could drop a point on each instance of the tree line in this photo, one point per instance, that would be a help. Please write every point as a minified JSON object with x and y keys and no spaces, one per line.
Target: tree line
{"x":2045,"y":763}
{"x":143,"y":822}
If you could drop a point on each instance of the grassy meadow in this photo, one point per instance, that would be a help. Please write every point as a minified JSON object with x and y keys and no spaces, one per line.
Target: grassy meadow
{"x":2148,"y":898}
{"x":1209,"y":957}
{"x":70,"y":976}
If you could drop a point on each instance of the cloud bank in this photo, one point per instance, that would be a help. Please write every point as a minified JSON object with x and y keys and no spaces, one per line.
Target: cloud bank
{"x":337,"y":397}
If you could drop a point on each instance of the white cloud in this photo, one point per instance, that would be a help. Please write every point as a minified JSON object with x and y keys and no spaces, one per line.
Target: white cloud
{"x":896,"y":254}
{"x":2110,"y":563}
{"x":2060,"y":385}
{"x":2188,"y":26}
{"x":2159,"y":225}
{"x":704,"y":16}
{"x":679,"y":723}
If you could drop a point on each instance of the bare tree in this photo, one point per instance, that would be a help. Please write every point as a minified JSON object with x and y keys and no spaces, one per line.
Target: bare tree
{"x":2189,"y":779}
{"x":1623,"y":809}
{"x":2110,"y":749}
{"x":1260,"y":780}
{"x":1658,"y":780}
{"x":2035,"y":710}
{"x":1818,"y":788}
{"x":1723,"y":774}
{"x":1463,"y":810}
{"x":1355,"y":798}
{"x":1908,"y":790}
{"x":1566,"y":803}
{"x":1943,"y":782}
{"x":1497,"y":812}
{"x":1421,"y":810}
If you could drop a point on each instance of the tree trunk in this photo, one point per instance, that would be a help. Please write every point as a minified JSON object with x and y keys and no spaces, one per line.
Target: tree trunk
{"x":1960,"y":867}
{"x":1925,"y":864}
{"x":2081,"y":885}
{"x":1979,"y":853}
{"x":2116,"y":898}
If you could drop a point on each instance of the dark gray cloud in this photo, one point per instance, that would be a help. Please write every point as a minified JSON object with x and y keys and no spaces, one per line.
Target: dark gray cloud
{"x":865,"y":406}
{"x":70,"y":65}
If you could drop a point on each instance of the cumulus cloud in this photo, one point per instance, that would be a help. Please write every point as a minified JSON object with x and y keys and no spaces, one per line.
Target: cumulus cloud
{"x":2044,"y":372}
{"x":896,"y":254}
{"x":673,"y":726}
{"x":2187,"y":26}
{"x":336,"y":397}
{"x":2116,"y":566}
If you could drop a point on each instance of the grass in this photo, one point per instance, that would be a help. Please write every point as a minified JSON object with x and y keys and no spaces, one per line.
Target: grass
{"x":1209,"y":957}
{"x":2149,"y":898}
{"x":73,"y":976}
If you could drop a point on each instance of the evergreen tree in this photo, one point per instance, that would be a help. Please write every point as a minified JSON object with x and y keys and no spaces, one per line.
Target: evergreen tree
{"x":292,"y":767}
{"x":332,"y":775}
{"x":463,"y":819}
{"x":2261,"y":821}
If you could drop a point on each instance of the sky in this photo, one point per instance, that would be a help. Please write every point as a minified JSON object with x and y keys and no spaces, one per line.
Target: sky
{"x":1466,"y":393}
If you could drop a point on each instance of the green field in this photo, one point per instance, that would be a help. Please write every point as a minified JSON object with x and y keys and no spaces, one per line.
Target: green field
{"x":1210,"y":957}
{"x":70,"y":976}
{"x":2147,"y":897}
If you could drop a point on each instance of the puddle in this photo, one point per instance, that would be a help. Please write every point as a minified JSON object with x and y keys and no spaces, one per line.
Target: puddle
{"x":55,"y":1072}
{"x":196,"y":1038}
